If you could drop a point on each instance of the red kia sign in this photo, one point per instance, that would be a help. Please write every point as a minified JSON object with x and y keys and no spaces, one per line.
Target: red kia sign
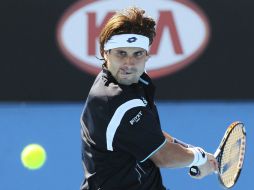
{"x":182,"y":33}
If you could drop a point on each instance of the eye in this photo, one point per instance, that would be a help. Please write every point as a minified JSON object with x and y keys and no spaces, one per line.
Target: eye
{"x":121,"y":54}
{"x":139,"y":54}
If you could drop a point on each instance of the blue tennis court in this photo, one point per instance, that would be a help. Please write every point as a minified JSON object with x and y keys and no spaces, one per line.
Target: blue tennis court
{"x":56,"y":127}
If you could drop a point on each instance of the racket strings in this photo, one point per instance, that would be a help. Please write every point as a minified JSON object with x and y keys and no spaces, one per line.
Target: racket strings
{"x":232,"y":157}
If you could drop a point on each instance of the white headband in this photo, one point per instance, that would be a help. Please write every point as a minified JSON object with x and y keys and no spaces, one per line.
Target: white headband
{"x":127,"y":40}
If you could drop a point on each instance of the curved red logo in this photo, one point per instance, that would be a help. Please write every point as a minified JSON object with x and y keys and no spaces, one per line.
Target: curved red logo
{"x":182,"y":33}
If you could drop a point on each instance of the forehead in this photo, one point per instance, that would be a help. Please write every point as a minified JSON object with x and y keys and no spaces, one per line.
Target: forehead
{"x":128,"y":50}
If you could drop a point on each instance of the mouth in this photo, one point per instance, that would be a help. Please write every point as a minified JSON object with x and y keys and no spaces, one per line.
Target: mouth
{"x":127,"y":77}
{"x":125,"y":72}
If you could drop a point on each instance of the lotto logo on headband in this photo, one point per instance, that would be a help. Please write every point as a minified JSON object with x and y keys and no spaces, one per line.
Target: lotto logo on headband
{"x":133,"y":39}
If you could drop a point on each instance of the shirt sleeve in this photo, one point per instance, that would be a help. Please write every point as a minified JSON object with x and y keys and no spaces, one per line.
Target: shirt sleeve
{"x":139,"y":133}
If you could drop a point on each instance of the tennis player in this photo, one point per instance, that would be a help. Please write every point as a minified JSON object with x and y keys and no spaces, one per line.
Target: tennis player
{"x":123,"y":144}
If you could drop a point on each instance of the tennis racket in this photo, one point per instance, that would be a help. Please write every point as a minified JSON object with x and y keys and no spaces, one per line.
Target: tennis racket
{"x":230,"y":155}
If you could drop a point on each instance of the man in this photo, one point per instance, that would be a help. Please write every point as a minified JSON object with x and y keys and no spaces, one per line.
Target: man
{"x":123,"y":144}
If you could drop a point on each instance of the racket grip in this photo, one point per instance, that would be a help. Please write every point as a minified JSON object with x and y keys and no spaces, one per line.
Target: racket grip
{"x":194,"y":171}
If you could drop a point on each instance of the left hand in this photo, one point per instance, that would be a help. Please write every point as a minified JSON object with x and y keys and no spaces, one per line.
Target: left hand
{"x":208,"y":168}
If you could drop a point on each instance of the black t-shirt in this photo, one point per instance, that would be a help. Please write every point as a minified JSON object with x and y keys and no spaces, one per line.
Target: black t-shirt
{"x":120,"y":131}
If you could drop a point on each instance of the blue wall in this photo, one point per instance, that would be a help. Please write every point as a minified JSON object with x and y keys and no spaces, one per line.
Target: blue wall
{"x":57,"y":128}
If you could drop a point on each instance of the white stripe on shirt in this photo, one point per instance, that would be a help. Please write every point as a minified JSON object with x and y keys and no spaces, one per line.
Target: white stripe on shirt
{"x":117,"y":117}
{"x":154,"y":151}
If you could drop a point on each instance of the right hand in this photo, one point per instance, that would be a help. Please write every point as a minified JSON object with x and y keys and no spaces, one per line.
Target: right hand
{"x":208,"y":168}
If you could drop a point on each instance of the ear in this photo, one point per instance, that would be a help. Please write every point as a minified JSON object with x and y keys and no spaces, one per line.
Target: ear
{"x":105,"y":55}
{"x":147,"y":58}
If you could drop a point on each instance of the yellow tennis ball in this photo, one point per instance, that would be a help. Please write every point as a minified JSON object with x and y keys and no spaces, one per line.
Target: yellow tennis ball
{"x":33,"y":156}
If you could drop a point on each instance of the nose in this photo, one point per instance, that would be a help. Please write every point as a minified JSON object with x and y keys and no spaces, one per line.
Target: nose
{"x":130,"y":60}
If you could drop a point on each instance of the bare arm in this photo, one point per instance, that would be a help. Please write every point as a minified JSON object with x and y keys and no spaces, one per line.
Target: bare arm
{"x":172,"y":155}
{"x":175,"y":155}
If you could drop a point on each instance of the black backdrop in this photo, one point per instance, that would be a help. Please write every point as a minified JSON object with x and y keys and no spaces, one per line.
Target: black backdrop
{"x":33,"y":68}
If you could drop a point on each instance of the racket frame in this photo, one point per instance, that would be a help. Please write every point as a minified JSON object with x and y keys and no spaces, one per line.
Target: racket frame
{"x":220,"y":149}
{"x":194,"y":170}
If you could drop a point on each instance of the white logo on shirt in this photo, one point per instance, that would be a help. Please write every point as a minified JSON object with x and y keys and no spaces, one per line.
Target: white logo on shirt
{"x":136,"y":118}
{"x":144,"y":100}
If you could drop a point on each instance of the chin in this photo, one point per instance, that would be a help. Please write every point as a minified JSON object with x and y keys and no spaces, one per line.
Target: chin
{"x":127,"y":82}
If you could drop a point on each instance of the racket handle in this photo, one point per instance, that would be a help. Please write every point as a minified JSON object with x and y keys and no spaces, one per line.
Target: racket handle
{"x":194,"y":171}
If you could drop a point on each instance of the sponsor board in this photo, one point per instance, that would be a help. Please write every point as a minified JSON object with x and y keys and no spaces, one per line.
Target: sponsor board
{"x":182,"y":33}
